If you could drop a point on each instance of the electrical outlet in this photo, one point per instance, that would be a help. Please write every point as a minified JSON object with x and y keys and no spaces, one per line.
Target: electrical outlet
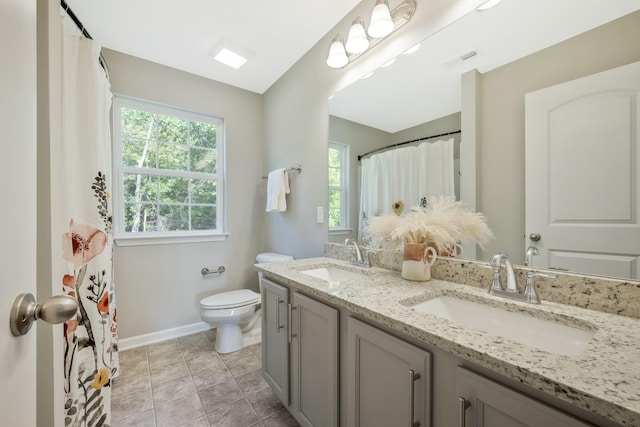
{"x":320,"y":215}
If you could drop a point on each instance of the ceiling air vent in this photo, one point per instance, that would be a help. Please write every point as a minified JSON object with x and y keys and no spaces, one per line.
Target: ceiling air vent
{"x":468,"y":55}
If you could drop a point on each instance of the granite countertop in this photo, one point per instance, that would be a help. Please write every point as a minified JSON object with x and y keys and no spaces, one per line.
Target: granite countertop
{"x":604,"y":378}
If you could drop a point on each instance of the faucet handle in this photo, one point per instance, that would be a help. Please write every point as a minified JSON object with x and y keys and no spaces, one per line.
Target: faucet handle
{"x":530,"y":291}
{"x":495,"y":284}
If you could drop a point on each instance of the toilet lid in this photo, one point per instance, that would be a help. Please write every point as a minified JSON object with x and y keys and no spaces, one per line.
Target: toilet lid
{"x":230,"y":299}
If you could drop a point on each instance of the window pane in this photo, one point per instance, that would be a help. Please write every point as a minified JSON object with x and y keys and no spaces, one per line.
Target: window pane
{"x":203,"y":134}
{"x":138,"y":124}
{"x":203,"y":191}
{"x":203,"y":160}
{"x":138,"y":152}
{"x":140,"y":188}
{"x":334,"y":177}
{"x":334,"y":158}
{"x":173,"y":157}
{"x":335,"y":199}
{"x":140,"y":217}
{"x":203,"y":217}
{"x":174,"y":190}
{"x":173,"y":218}
{"x":172,"y":129}
{"x":334,"y":218}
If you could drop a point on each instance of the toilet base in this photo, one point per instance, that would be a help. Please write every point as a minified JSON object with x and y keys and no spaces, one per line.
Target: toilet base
{"x":229,"y":338}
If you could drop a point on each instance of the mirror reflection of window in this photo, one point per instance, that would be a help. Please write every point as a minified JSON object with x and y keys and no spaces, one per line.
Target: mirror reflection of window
{"x":338,"y":186}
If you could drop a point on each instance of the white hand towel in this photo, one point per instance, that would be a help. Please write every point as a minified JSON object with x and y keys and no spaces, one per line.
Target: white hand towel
{"x":277,"y":189}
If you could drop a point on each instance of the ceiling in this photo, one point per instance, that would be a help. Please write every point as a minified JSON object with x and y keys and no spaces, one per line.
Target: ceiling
{"x":182,"y":34}
{"x":279,"y":32}
{"x":425,"y":85}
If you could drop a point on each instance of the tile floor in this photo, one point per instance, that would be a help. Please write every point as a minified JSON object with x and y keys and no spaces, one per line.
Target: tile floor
{"x":185,"y":382}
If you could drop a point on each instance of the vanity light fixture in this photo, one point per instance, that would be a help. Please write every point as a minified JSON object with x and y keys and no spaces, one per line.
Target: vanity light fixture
{"x":383,"y":23}
{"x":231,"y":54}
{"x":357,"y":42}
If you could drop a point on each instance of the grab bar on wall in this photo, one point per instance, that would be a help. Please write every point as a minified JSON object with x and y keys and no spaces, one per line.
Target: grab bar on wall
{"x":205,"y":271}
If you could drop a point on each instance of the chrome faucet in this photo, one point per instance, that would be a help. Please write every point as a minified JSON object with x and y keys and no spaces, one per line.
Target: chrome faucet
{"x":511,"y":291}
{"x":528,"y":259}
{"x":358,"y":253}
{"x":496,"y":264}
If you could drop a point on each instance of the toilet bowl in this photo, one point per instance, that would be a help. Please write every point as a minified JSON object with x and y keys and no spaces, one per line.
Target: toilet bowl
{"x":235,"y":312}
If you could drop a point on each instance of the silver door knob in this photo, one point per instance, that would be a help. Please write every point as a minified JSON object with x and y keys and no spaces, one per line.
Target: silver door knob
{"x":25,"y":311}
{"x":535,"y":237}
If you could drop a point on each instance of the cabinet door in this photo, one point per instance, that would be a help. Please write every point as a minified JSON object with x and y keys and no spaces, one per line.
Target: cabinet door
{"x":388,"y":380}
{"x":489,"y":404}
{"x":275,"y":345}
{"x":314,"y":362}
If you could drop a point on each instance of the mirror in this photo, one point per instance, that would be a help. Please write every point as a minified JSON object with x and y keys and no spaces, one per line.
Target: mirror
{"x":420,"y":94}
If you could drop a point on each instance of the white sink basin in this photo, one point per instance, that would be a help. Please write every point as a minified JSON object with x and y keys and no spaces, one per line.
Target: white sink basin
{"x":545,"y":335}
{"x":332,"y":274}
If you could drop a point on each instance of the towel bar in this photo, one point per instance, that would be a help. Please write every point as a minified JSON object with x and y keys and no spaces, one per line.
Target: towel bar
{"x":291,"y":169}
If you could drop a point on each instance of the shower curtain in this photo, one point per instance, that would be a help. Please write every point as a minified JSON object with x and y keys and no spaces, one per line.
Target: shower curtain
{"x":81,"y":230}
{"x":408,"y":174}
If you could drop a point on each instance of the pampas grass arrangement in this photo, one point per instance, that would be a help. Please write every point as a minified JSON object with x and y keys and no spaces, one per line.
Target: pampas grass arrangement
{"x":443,"y":223}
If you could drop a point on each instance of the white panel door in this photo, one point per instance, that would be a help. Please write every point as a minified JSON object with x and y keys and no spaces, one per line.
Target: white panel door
{"x":582,"y":180}
{"x":18,"y":199}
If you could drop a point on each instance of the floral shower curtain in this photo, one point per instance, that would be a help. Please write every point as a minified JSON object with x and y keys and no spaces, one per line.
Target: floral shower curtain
{"x":81,"y":231}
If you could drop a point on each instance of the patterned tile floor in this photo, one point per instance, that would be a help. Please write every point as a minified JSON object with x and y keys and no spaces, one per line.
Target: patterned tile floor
{"x":185,"y":382}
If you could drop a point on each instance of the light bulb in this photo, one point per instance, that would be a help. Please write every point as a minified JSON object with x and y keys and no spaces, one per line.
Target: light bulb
{"x":381,"y":23}
{"x":357,"y":42}
{"x":337,"y":56}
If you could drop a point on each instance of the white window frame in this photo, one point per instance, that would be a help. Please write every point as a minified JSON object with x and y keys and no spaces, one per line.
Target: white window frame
{"x":123,"y":238}
{"x":343,"y":187}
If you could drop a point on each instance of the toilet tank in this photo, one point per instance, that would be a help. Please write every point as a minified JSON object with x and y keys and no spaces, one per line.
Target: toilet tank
{"x":270,"y":257}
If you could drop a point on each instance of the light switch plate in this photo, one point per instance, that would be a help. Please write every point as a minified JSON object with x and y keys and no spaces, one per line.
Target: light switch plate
{"x":320,"y":214}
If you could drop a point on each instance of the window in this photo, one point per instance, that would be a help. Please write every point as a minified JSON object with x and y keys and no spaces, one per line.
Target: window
{"x":338,"y":185}
{"x":168,"y":165}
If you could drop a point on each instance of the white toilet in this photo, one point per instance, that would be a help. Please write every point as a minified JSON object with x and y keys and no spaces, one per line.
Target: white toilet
{"x":233,"y":312}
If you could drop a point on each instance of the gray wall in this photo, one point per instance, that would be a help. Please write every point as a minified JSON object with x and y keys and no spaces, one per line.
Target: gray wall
{"x":501,"y":119}
{"x":297,"y":120}
{"x":159,"y":286}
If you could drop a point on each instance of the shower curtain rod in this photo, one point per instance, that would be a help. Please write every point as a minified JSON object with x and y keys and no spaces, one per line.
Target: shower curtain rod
{"x":406,"y":142}
{"x":84,"y":32}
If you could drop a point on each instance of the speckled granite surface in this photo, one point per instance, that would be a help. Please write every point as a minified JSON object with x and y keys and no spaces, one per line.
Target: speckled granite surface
{"x":604,"y":378}
{"x":595,"y":293}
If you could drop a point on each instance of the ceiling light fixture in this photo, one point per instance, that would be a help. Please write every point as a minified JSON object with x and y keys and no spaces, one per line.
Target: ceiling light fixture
{"x":383,"y":23}
{"x":357,"y":42}
{"x":231,"y":54}
{"x":411,"y":50}
{"x":488,"y":5}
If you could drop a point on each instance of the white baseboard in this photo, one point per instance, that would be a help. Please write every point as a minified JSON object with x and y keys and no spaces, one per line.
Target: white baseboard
{"x":167,"y":334}
{"x":251,"y":337}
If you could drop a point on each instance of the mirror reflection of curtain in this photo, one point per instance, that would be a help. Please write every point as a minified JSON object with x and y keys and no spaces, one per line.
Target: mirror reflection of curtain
{"x":406,"y":174}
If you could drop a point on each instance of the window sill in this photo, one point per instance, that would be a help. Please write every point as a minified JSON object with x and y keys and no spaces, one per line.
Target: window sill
{"x":339,"y":231}
{"x":167,"y":239}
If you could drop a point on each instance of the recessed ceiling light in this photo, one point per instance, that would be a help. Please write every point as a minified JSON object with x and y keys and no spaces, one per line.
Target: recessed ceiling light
{"x":488,"y":5}
{"x":231,"y":54}
{"x":366,"y":76}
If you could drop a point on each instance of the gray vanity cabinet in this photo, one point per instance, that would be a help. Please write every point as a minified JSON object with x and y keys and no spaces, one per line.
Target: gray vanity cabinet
{"x":388,"y":380}
{"x":314,"y":362}
{"x":300,"y":354}
{"x":275,"y":344}
{"x":485,"y":403}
